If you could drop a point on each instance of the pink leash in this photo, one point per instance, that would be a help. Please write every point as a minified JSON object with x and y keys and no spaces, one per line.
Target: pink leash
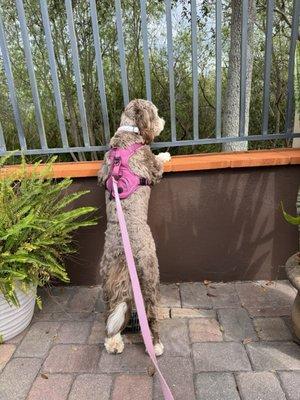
{"x":137,"y":294}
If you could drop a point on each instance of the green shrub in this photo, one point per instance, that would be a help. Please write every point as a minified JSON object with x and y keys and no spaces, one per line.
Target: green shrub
{"x":37,"y":219}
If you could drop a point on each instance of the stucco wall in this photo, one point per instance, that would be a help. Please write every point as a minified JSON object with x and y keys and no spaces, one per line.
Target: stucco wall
{"x":219,"y":225}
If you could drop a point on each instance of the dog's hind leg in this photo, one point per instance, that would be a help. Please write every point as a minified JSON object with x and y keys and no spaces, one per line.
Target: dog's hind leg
{"x":150,"y":289}
{"x":117,"y":293}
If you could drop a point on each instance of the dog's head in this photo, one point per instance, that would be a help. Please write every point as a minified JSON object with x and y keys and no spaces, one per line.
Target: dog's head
{"x":144,"y":115}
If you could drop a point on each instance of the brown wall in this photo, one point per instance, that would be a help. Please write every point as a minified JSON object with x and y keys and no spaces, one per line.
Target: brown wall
{"x":219,"y":225}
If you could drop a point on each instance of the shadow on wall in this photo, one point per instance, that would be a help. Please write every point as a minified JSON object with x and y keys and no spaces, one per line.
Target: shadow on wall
{"x":83,"y":266}
{"x":223,"y":224}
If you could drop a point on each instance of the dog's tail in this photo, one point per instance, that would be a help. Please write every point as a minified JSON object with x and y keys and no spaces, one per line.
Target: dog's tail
{"x":118,"y":319}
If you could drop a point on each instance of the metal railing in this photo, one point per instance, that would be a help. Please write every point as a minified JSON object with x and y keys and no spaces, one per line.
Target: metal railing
{"x":87,"y":147}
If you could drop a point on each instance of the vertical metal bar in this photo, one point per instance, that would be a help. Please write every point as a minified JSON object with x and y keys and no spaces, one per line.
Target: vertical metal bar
{"x":53,"y":70}
{"x":171,"y":68}
{"x":195,"y":70}
{"x":76,"y":68}
{"x":243,"y":67}
{"x":218,"y":82}
{"x":122,"y":52}
{"x":99,"y":64}
{"x":145,"y":48}
{"x":2,"y":140}
{"x":267,"y":66}
{"x":11,"y":87}
{"x":31,"y":74}
{"x":290,"y":85}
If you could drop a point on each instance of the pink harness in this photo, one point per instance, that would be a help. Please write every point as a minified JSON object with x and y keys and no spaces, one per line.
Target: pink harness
{"x":127,"y":180}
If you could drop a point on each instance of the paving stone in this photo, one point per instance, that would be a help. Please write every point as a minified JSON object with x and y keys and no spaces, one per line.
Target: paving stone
{"x":226,"y":295}
{"x":291,"y":384}
{"x":91,"y":387}
{"x":169,"y":295}
{"x":164,"y":312}
{"x":216,"y":386}
{"x":205,"y":330}
{"x":65,"y":316}
{"x":84,"y":300}
{"x":6,"y":351}
{"x":72,"y":358}
{"x":175,"y":338}
{"x":259,"y":385}
{"x":192,"y":313}
{"x":17,"y":339}
{"x":269,"y":311}
{"x":55,"y":299}
{"x":272,"y":329}
{"x":132,"y":387}
{"x":266,"y":299}
{"x":178,"y":372}
{"x":97,"y":334}
{"x":17,"y":377}
{"x":236,"y":324}
{"x":73,"y":332}
{"x":63,"y":291}
{"x":274,"y":355}
{"x":220,"y":357}
{"x":100,"y":304}
{"x":133,"y":359}
{"x":55,"y":387}
{"x":194,"y":295}
{"x":38,"y":339}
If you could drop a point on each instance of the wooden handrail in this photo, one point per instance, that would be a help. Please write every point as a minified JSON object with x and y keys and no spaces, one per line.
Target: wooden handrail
{"x":194,"y":162}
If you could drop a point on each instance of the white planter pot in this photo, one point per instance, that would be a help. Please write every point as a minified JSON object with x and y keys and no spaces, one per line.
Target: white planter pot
{"x":13,"y":320}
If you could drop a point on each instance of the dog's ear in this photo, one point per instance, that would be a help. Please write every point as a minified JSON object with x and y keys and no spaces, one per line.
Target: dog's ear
{"x":143,"y":116}
{"x":143,"y":122}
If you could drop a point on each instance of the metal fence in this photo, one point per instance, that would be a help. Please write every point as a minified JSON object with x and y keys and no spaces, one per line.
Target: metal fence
{"x":44,"y":149}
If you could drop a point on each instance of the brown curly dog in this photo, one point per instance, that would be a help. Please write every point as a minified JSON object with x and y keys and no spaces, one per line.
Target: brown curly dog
{"x":140,"y":123}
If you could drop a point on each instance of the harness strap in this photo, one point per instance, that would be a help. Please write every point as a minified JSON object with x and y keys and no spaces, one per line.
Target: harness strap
{"x":137,"y":294}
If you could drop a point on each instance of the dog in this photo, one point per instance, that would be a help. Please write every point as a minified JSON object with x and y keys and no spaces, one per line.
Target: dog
{"x":140,"y":124}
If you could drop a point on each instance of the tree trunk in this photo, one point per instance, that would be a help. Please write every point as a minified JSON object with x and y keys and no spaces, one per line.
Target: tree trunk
{"x":232,"y":97}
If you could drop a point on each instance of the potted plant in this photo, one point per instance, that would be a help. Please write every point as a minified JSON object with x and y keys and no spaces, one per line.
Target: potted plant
{"x":37,"y":218}
{"x":293,"y":270}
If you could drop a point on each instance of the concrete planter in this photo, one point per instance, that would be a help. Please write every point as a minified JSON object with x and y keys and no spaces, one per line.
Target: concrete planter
{"x":293,"y":273}
{"x":13,"y":320}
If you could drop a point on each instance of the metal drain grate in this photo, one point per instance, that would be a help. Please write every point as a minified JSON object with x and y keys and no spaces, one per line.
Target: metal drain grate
{"x":133,"y":325}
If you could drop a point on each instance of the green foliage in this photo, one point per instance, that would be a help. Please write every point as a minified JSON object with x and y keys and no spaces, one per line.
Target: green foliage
{"x":37,"y":218}
{"x":131,"y":18}
{"x":289,"y":218}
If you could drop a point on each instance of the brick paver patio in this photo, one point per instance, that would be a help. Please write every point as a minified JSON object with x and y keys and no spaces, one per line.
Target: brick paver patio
{"x":222,"y":342}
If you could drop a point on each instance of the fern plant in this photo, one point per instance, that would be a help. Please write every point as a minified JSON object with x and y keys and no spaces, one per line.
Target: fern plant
{"x":290,"y":218}
{"x":37,"y":218}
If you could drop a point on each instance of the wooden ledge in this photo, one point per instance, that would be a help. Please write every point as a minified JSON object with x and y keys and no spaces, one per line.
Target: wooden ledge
{"x":194,"y":162}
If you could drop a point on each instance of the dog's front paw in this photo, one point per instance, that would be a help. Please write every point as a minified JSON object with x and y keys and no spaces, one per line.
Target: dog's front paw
{"x":164,"y":157}
{"x":114,"y":344}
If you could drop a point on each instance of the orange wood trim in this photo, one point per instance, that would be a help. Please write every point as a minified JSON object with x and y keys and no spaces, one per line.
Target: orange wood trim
{"x":194,"y":162}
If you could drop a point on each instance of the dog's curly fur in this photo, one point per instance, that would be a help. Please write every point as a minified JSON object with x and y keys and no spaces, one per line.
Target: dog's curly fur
{"x":115,"y":276}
